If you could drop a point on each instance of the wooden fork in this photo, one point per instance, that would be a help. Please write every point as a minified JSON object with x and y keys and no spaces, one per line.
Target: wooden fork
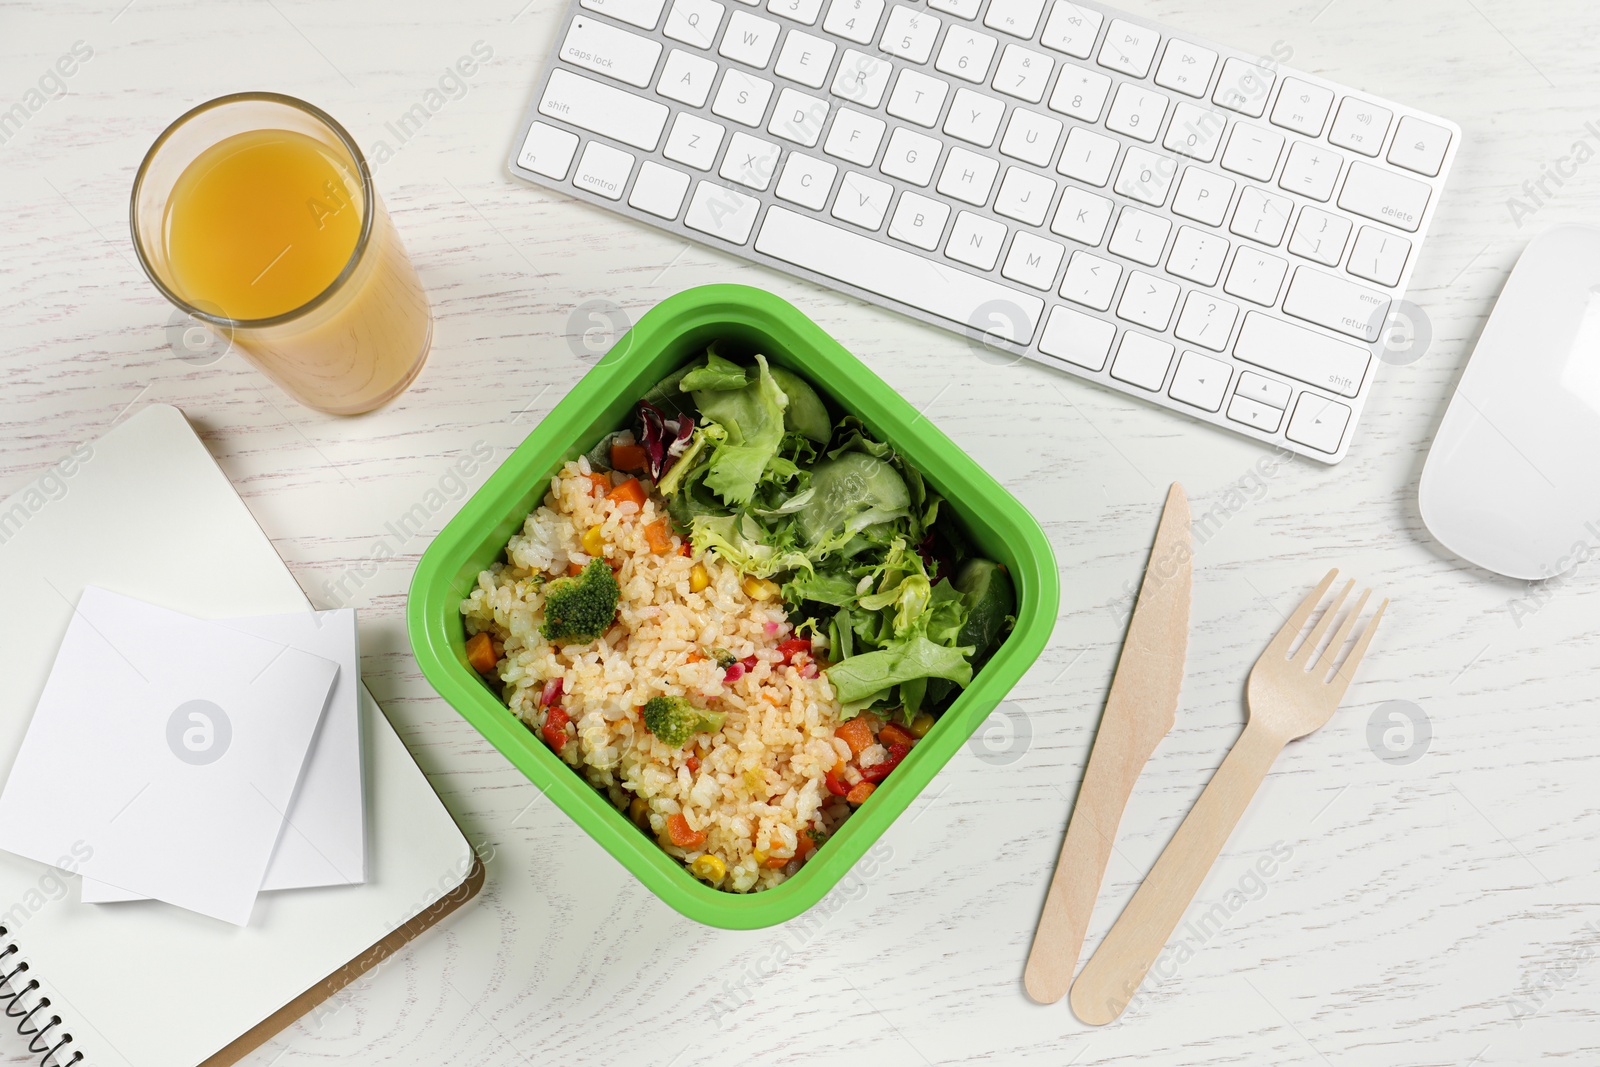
{"x":1288,"y":697}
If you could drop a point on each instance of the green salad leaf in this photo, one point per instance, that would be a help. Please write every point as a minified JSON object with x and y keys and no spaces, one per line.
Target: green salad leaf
{"x":751,"y":419}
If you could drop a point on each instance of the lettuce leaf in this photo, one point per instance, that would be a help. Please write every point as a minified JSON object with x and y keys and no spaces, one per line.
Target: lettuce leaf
{"x":751,"y":547}
{"x":751,"y":420}
{"x":717,"y":375}
{"x":860,"y":681}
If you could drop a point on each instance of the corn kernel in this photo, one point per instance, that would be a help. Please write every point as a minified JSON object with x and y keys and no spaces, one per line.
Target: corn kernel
{"x":760,"y":588}
{"x":639,"y":811}
{"x":760,"y":857}
{"x":593,"y":543}
{"x":921,"y":725}
{"x":710,"y":868}
{"x":699,"y":578}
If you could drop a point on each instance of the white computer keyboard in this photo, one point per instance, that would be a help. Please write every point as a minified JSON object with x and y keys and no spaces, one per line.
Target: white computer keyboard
{"x":1177,"y":220}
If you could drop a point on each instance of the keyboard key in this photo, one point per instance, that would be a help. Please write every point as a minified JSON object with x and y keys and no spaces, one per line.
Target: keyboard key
{"x":1145,"y":177}
{"x":1071,"y":29}
{"x":862,"y":200}
{"x":968,"y":176}
{"x":1255,"y":276}
{"x":749,"y":39}
{"x":1200,"y":381}
{"x":1252,"y":151}
{"x":917,"y":97}
{"x":910,"y":34}
{"x":694,"y":141}
{"x":547,"y":150}
{"x":1311,"y":171}
{"x":910,"y":156}
{"x":805,"y":180}
{"x":975,"y":241}
{"x":1197,"y":255}
{"x":909,"y":278}
{"x":1031,"y":137}
{"x":1379,"y":257}
{"x":802,"y":11}
{"x":966,"y":54}
{"x":1195,"y":132}
{"x":604,"y":109}
{"x":1419,"y":146}
{"x":1321,"y":236}
{"x":1088,"y":157}
{"x":1078,"y":338}
{"x":659,"y":190}
{"x":1186,"y":68}
{"x":1024,"y":196}
{"x":686,"y":78}
{"x":1318,"y":422}
{"x":1148,"y":301}
{"x":854,"y":20}
{"x":1080,"y":93}
{"x":798,"y":117}
{"x":1023,"y":73}
{"x":1206,"y":320}
{"x":1302,"y":107}
{"x":1268,"y":391}
{"x":722,"y":212}
{"x":974,"y":118}
{"x":1342,"y":306}
{"x":1090,"y":281}
{"x":1033,"y":261}
{"x":861,"y":78}
{"x":640,"y":13}
{"x":1019,"y":18}
{"x":805,"y":59}
{"x":1384,"y":196}
{"x":855,"y":137}
{"x":1142,"y":361}
{"x":1244,"y":87}
{"x":742,"y":97}
{"x":605,"y":49}
{"x":1203,"y":196}
{"x":1302,"y":354}
{"x":603,"y":169}
{"x":1253,"y":413}
{"x":1261,"y":216}
{"x":1137,"y":112}
{"x":1360,"y":126}
{"x":1140,"y":236}
{"x":919,"y":221}
{"x":694,"y":22}
{"x":1082,"y":216}
{"x":961,"y":9}
{"x":1128,"y":48}
{"x":750,"y":161}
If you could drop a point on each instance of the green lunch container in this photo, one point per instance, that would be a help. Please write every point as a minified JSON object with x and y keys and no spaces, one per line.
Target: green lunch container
{"x":747,"y":320}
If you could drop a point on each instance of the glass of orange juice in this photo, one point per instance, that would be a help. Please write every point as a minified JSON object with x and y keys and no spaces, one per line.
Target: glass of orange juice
{"x":255,"y":214}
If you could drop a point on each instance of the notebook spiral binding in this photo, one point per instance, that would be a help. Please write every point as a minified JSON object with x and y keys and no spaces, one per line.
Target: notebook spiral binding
{"x":36,"y":1028}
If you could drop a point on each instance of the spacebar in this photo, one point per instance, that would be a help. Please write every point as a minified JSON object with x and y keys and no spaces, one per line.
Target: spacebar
{"x":977,"y":304}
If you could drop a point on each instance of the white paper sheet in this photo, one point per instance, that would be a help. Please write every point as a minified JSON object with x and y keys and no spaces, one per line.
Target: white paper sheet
{"x":168,"y":746}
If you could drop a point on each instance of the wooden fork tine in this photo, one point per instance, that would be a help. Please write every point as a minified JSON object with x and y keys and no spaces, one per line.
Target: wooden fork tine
{"x":1325,"y":660}
{"x":1280,"y":644}
{"x":1314,"y":638}
{"x":1347,"y":670}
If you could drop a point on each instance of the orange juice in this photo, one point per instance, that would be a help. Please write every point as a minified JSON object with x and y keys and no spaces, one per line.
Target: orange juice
{"x":256,"y":214}
{"x":260,"y":224}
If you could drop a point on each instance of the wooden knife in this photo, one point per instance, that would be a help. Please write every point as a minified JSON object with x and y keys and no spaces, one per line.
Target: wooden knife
{"x":1139,"y":711}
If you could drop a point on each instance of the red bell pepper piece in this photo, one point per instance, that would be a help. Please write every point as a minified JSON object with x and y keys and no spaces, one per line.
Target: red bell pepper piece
{"x":554,"y":729}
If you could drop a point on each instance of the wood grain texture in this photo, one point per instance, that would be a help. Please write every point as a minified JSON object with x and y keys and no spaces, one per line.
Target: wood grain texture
{"x":1140,"y":710}
{"x":1435,"y":912}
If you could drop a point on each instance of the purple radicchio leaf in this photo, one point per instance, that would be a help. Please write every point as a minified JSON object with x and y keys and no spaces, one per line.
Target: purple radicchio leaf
{"x":652,"y":435}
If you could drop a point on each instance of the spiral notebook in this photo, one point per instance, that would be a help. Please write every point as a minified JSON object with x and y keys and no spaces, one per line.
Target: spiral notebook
{"x":146,"y":512}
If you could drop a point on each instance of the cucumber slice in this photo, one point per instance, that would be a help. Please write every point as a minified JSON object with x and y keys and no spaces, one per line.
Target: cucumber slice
{"x":991,"y":600}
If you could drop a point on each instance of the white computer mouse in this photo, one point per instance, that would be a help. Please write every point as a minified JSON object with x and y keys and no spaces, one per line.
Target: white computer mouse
{"x":1512,"y":482}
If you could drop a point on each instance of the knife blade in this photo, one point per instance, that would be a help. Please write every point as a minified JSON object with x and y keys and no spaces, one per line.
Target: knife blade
{"x":1140,"y":710}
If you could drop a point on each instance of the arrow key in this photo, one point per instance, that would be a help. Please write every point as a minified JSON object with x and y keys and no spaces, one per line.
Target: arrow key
{"x":1319,"y":422}
{"x":1254,"y":413}
{"x":1201,"y":381}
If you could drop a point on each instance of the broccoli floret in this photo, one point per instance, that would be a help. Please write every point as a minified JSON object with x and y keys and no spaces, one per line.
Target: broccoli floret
{"x":580,"y":607}
{"x":674,"y":720}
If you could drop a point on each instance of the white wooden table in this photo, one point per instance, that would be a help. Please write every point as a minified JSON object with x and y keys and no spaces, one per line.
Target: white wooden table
{"x":1441,"y":911}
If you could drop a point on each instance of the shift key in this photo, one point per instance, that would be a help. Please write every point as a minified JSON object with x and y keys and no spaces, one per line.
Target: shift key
{"x":603,"y":109}
{"x":1384,"y":196}
{"x":1302,"y":354}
